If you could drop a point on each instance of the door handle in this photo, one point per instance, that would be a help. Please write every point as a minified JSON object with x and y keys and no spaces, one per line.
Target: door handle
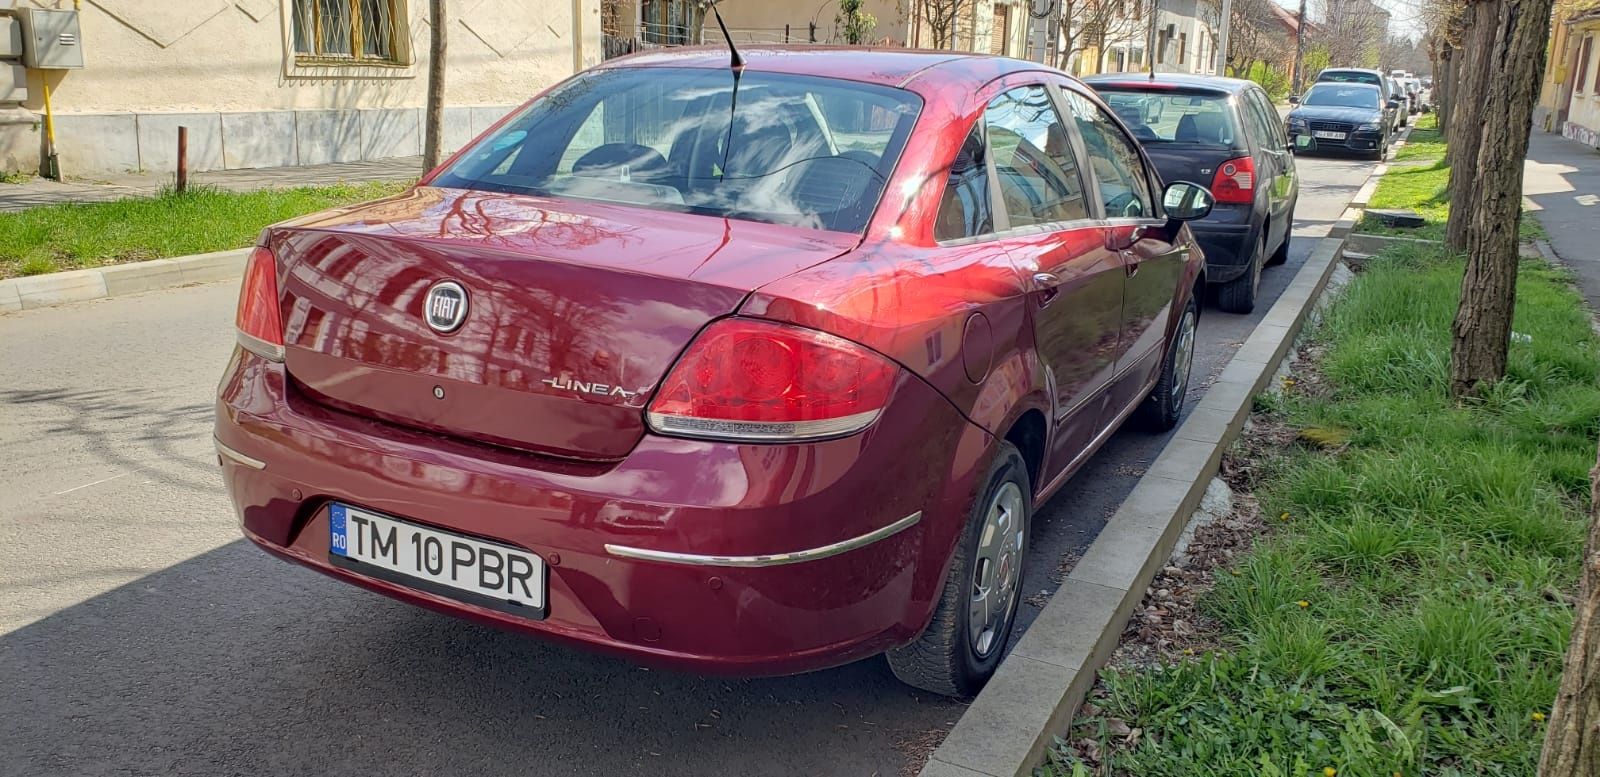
{"x":1048,"y":285}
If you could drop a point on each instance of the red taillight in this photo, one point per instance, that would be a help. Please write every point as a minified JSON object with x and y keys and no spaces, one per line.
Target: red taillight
{"x":755,"y":380}
{"x":1235,"y":182}
{"x":260,"y":327}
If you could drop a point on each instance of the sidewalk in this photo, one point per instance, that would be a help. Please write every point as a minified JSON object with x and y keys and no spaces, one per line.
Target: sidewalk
{"x":40,"y":191}
{"x":1561,"y":178}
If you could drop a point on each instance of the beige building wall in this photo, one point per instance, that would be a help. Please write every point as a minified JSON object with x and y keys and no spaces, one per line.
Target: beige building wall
{"x":227,"y":69}
{"x":763,"y":21}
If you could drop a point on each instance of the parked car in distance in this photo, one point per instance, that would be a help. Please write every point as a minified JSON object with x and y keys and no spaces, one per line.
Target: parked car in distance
{"x":1342,"y":116}
{"x":751,"y":370}
{"x":1224,"y":132}
{"x":1392,"y":90}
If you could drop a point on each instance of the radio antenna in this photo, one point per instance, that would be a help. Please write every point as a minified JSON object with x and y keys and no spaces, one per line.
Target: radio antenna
{"x":736,"y":61}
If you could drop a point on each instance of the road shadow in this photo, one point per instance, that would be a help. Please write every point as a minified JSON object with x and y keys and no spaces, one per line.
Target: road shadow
{"x":235,"y":663}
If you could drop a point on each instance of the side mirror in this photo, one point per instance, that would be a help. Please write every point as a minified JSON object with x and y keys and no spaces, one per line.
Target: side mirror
{"x":1184,"y":201}
{"x":1393,"y":103}
{"x":1294,"y":99}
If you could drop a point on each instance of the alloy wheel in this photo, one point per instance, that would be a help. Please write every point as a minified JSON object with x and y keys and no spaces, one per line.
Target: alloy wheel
{"x":1183,"y":357}
{"x":997,"y":566}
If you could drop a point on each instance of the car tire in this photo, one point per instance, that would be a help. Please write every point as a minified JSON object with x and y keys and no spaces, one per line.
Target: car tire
{"x":1161,"y":410}
{"x":1239,"y":294}
{"x":1281,"y":255}
{"x":950,"y":657}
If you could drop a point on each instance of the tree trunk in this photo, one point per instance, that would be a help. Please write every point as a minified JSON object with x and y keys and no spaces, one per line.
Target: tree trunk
{"x":1572,"y":745}
{"x":1444,"y":91}
{"x":1482,"y":328}
{"x":433,"y":139}
{"x":1466,"y":126}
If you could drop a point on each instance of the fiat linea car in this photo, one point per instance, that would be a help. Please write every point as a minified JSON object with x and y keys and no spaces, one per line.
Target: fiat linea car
{"x":750,"y":370}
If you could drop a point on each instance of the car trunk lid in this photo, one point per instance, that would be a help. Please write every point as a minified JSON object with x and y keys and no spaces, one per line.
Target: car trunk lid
{"x":574,"y":311}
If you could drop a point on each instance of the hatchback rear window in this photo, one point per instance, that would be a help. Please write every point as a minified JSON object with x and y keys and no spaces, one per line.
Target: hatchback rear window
{"x":1174,"y":117}
{"x":1350,"y":77}
{"x":797,"y":150}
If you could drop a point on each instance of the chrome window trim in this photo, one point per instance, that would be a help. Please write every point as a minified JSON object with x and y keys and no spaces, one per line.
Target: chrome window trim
{"x":776,"y":559}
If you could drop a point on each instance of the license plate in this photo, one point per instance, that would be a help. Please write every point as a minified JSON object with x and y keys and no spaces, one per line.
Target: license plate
{"x":1328,"y":135}
{"x":497,"y":576}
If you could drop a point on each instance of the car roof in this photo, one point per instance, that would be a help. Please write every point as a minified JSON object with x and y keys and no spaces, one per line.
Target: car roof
{"x":1351,"y":70}
{"x":1136,"y":80}
{"x":891,"y":67}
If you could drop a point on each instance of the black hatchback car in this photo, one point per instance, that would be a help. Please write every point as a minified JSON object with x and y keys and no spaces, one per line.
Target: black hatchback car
{"x":1223,"y":133}
{"x":1342,"y":117}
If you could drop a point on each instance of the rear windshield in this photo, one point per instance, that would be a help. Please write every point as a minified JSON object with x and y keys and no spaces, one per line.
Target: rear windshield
{"x":1167,"y":117}
{"x":1350,"y":77}
{"x":797,"y":150}
{"x":1342,"y":96}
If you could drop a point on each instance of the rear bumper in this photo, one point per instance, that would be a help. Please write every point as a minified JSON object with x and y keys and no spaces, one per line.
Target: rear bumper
{"x":1226,"y":245}
{"x":706,"y":556}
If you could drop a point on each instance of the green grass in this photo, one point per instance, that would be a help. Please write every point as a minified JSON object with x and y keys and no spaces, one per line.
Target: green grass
{"x":1425,"y":141}
{"x":1434,"y":551}
{"x":76,"y":236}
{"x":1419,"y":180}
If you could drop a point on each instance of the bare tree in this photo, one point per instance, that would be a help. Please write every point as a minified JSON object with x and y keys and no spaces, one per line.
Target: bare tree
{"x":1516,"y":53}
{"x":1095,"y":24}
{"x":434,"y":133}
{"x":1256,"y":35}
{"x":946,"y":20}
{"x":1352,"y":31}
{"x":1572,"y":745}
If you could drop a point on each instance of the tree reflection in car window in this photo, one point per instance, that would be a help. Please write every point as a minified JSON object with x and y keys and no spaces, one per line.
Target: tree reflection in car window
{"x":803,"y":151}
{"x":1038,"y":174}
{"x":1117,"y":166}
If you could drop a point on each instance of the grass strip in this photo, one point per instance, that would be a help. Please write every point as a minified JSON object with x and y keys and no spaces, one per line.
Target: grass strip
{"x":1419,"y":180}
{"x":1407,"y":611}
{"x":82,"y":235}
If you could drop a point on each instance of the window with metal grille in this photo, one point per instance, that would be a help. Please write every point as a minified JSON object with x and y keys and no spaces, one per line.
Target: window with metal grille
{"x":358,"y":32}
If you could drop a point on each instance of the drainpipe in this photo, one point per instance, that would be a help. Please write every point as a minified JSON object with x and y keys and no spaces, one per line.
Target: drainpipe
{"x":577,"y":35}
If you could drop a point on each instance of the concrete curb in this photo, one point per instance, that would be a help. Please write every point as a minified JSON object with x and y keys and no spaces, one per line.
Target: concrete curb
{"x":39,"y":291}
{"x":1040,"y":685}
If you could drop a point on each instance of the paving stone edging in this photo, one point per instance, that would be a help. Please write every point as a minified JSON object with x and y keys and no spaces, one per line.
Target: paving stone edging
{"x":1040,"y":685}
{"x":40,"y":291}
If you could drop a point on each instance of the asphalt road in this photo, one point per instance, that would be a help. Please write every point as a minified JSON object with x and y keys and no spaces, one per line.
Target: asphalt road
{"x":140,"y":636}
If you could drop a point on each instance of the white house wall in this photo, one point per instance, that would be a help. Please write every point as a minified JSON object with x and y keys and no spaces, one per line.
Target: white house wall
{"x":225,"y":69}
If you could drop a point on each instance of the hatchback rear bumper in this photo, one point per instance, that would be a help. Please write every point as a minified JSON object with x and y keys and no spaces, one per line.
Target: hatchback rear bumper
{"x":1226,"y":247}
{"x":712,"y":557}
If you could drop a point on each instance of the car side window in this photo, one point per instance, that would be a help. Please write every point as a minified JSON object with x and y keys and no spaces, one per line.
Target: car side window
{"x":1118,"y":168}
{"x":1266,"y":129}
{"x":1037,"y":171}
{"x":965,"y":207}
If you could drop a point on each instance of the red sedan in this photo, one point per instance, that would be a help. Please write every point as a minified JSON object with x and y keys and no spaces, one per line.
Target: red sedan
{"x":751,"y":370}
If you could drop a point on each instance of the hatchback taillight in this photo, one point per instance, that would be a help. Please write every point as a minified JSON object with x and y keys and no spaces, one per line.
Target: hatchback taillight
{"x":260,"y":327}
{"x":744,"y":379}
{"x":1235,"y":182}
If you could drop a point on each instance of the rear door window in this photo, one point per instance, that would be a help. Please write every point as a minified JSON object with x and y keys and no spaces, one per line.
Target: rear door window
{"x":965,"y":208}
{"x":1038,"y":174}
{"x":1123,"y":181}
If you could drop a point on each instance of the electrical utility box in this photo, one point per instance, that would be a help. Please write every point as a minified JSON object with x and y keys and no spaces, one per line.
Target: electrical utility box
{"x":50,"y":39}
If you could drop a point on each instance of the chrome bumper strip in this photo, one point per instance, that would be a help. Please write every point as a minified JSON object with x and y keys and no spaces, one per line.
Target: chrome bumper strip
{"x":776,"y":559}
{"x":237,"y":457}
